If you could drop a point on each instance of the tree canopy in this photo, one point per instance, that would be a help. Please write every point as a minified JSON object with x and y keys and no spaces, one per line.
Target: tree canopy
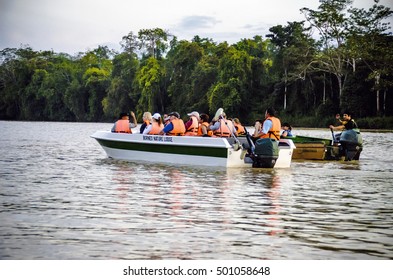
{"x":338,"y":57}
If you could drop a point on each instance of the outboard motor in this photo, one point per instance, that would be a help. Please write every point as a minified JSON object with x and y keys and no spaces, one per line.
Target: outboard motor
{"x":351,"y":144}
{"x":265,"y":153}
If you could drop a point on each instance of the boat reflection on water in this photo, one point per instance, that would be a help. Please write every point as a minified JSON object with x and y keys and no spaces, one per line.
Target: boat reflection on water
{"x":169,"y":199}
{"x":274,"y":212}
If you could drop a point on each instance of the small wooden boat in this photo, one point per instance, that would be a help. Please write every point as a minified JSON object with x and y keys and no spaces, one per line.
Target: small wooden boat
{"x":307,"y":147}
{"x":191,"y":150}
{"x":347,"y":147}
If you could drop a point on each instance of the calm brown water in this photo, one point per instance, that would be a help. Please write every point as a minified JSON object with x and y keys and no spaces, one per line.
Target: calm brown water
{"x":61,"y":198}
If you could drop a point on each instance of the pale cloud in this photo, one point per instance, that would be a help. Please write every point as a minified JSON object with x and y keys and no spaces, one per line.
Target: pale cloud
{"x":197,"y":22}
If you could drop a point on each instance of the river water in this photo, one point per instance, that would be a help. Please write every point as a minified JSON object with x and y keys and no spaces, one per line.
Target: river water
{"x":62,"y":198}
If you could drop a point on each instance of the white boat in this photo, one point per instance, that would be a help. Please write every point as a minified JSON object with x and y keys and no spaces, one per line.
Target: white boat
{"x":185,"y":150}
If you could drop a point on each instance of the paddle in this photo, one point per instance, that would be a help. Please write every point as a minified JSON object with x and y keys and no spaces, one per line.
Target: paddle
{"x":244,"y":151}
{"x":134,"y":121}
{"x":232,"y":134}
{"x":218,"y":114}
{"x":333,"y":137}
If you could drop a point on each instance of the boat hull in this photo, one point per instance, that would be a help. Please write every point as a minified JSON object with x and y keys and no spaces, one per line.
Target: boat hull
{"x":316,"y":151}
{"x":184,"y":150}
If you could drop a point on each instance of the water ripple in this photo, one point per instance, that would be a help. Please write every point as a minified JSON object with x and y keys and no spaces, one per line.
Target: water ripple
{"x":61,"y":198}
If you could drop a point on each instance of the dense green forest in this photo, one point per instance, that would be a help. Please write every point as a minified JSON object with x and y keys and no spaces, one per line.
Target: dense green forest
{"x":338,"y":57}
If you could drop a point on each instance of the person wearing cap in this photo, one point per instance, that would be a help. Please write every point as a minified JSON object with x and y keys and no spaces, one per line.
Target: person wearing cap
{"x":192,"y":124}
{"x":123,"y":125}
{"x":146,"y":118}
{"x":156,"y":125}
{"x":269,"y":128}
{"x":175,"y":126}
{"x":223,"y":127}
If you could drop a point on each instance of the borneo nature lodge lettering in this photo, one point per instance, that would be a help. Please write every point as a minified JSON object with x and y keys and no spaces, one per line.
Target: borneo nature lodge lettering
{"x":157,"y":138}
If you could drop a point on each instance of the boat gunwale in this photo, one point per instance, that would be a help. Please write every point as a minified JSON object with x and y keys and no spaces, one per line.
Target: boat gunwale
{"x":222,"y":142}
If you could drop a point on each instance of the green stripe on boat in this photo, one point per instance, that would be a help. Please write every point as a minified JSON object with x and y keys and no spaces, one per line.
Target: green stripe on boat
{"x":164,"y":148}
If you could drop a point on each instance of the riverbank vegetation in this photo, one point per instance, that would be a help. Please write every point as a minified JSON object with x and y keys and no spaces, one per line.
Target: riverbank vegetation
{"x":338,"y":57}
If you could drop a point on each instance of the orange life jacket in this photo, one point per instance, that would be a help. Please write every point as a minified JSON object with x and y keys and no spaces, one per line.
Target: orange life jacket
{"x":225,"y":130}
{"x":156,"y":128}
{"x":274,"y":131}
{"x":192,"y":130}
{"x":123,"y":126}
{"x":240,"y":129}
{"x":206,"y":124}
{"x":178,"y":127}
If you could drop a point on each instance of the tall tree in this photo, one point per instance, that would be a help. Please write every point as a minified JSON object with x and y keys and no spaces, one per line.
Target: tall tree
{"x":59,"y":76}
{"x":150,"y":77}
{"x":232,"y":90}
{"x":121,"y":94}
{"x":130,"y":43}
{"x":154,"y":41}
{"x":182,"y":61}
{"x":12,"y":83}
{"x":331,"y":21}
{"x":96,"y":80}
{"x":373,"y":45}
{"x":294,"y":49}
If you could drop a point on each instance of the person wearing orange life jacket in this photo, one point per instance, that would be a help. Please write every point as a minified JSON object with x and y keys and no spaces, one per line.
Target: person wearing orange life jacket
{"x":146,"y":118}
{"x":175,"y":127}
{"x":239,"y":127}
{"x":270,"y":128}
{"x":203,"y":126}
{"x":223,"y":127}
{"x":156,"y":126}
{"x":192,"y":124}
{"x":123,"y":125}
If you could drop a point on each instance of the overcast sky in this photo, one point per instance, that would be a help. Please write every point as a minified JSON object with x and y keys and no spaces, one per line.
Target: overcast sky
{"x":73,"y":26}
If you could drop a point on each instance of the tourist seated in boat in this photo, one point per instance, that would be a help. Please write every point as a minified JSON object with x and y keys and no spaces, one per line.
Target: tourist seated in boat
{"x":347,"y":123}
{"x":203,"y":129}
{"x":146,"y":120}
{"x":166,"y":118}
{"x":240,"y":130}
{"x":123,"y":124}
{"x":175,"y":127}
{"x":287,"y":130}
{"x":156,"y":125}
{"x":223,"y":127}
{"x":192,"y":124}
{"x":269,"y":128}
